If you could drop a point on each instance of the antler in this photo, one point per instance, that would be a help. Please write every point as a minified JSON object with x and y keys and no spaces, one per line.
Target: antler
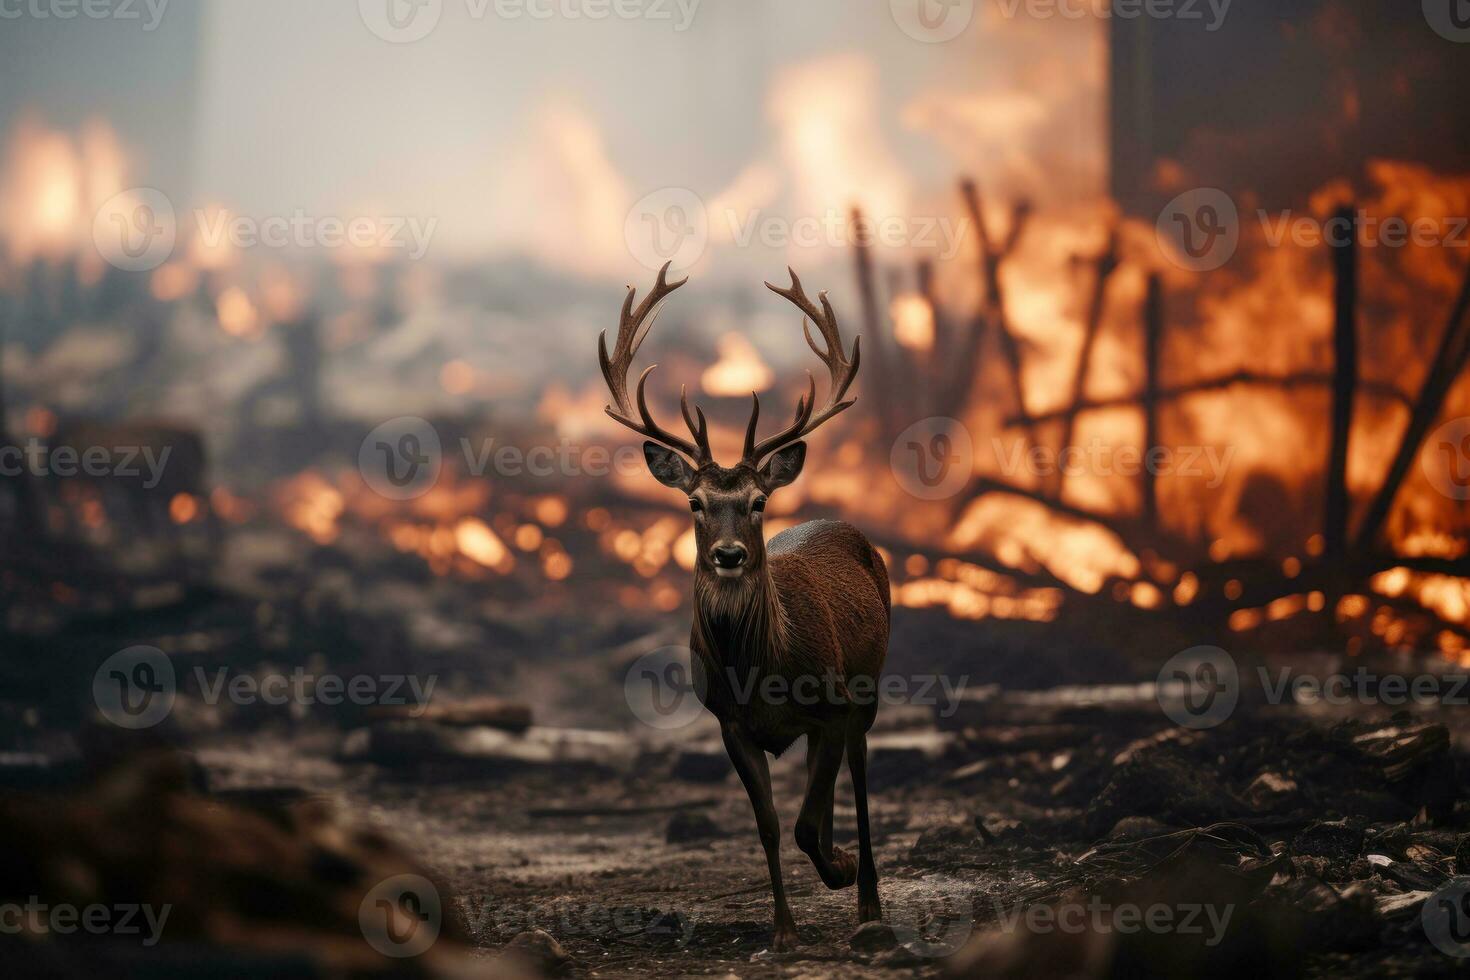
{"x":633,"y":328}
{"x":841,"y":368}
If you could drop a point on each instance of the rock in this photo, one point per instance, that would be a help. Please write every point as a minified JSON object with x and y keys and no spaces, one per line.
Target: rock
{"x":1269,"y":790}
{"x":540,"y":949}
{"x":702,"y":764}
{"x":1138,"y":828}
{"x":1331,"y":839}
{"x":873,"y":937}
{"x":1163,"y":784}
{"x":687,"y":827}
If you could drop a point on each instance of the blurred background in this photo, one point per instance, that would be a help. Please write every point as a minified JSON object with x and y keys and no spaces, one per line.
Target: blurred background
{"x":1123,"y":390}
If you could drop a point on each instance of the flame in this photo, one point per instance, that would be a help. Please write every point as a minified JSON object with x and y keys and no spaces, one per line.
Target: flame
{"x":739,"y":371}
{"x":913,"y":321}
{"x":53,"y":183}
{"x":312,"y":505}
{"x":480,"y":544}
{"x":237,"y":315}
{"x":826,"y":113}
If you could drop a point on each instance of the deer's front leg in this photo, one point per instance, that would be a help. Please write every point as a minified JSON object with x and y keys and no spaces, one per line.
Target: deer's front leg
{"x":750,"y":762}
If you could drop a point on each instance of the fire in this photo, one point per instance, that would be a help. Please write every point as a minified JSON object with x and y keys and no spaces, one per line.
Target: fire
{"x":480,"y":544}
{"x":53,"y":183}
{"x":237,"y":315}
{"x":312,"y":505}
{"x":739,"y":371}
{"x":913,"y":321}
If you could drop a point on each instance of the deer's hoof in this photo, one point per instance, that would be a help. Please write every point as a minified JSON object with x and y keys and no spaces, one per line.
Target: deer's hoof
{"x":846,"y":866}
{"x":785,"y":939}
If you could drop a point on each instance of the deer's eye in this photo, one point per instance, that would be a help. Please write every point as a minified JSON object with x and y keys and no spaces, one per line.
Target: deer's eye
{"x":695,"y":505}
{"x":757,"y":505}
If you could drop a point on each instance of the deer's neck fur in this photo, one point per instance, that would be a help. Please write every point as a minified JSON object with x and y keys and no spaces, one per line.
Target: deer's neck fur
{"x":741,"y":622}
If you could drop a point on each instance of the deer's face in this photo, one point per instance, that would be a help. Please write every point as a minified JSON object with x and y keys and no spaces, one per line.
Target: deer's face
{"x":728,"y":504}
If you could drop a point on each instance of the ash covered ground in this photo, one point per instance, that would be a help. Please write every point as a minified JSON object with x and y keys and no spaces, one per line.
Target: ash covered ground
{"x":562,"y":835}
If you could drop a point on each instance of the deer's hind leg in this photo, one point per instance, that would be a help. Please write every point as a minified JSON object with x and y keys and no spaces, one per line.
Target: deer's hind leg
{"x":837,"y":868}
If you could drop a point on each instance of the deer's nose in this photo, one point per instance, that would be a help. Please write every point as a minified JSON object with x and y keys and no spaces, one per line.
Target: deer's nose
{"x":728,"y":556}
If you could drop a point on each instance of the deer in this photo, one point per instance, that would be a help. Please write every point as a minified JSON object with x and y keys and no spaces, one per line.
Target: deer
{"x":806,"y":613}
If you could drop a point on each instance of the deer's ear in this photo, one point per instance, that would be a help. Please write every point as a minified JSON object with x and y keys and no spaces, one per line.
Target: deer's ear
{"x":668,"y":467}
{"x":784,"y":466}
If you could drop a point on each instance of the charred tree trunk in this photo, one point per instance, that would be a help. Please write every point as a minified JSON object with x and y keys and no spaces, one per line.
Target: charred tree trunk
{"x":1448,"y":362}
{"x":1344,"y":384}
{"x":1153,"y":337}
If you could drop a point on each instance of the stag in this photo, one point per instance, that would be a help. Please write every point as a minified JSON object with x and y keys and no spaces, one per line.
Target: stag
{"x":789,"y":635}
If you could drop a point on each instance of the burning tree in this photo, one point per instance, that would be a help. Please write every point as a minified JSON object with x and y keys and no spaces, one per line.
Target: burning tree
{"x":974,"y":366}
